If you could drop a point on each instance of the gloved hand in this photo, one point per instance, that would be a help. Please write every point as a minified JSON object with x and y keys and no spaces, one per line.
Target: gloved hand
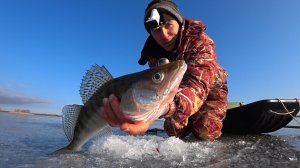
{"x":115,"y":117}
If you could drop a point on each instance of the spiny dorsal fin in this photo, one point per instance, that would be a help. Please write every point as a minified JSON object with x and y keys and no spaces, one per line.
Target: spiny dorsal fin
{"x":70,"y":115}
{"x":94,"y":78}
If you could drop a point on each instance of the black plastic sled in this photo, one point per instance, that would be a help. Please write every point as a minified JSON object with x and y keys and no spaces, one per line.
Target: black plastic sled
{"x":261,"y":116}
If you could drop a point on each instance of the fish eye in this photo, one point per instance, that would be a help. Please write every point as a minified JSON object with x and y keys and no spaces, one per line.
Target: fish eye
{"x":157,"y":77}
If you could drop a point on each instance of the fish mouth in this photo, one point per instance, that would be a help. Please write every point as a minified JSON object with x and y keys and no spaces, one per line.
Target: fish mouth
{"x":157,"y":101}
{"x":168,"y":95}
{"x":182,"y":67}
{"x":173,"y":83}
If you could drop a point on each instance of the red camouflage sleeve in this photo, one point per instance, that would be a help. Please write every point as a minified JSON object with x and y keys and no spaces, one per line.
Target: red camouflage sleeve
{"x":199,"y":78}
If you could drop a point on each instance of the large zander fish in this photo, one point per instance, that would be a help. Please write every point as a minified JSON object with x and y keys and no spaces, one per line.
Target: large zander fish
{"x":144,"y":96}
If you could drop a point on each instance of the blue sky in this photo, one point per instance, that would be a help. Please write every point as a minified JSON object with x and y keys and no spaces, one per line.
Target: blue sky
{"x":46,"y":46}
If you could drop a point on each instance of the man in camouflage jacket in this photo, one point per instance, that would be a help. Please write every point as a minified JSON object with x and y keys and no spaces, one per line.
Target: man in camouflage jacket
{"x":201,"y":101}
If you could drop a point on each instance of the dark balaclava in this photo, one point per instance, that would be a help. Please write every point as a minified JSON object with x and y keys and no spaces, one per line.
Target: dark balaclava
{"x":164,"y":8}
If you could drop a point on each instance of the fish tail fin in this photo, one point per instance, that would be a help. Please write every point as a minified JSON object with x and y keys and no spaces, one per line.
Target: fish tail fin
{"x":70,"y":115}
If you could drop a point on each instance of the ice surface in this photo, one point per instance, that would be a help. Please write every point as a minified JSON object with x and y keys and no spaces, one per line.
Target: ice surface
{"x":27,"y":141}
{"x":150,"y":151}
{"x":138,"y":148}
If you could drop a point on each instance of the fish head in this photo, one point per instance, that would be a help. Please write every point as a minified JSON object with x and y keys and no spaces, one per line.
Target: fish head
{"x":153,"y":90}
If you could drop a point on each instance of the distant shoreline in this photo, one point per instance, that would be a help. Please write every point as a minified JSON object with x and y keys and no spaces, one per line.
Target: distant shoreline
{"x":30,"y":113}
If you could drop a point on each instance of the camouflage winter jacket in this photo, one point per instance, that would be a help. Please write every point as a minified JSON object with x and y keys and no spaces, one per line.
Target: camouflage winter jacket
{"x":203,"y":73}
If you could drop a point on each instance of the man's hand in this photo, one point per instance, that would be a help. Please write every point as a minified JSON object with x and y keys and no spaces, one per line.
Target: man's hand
{"x":136,"y":128}
{"x":112,"y":112}
{"x":115,"y":117}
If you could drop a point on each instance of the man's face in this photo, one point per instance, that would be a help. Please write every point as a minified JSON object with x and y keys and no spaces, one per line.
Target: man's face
{"x":166,"y":34}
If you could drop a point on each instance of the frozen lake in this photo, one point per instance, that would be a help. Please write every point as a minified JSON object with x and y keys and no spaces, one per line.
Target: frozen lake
{"x":27,"y":141}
